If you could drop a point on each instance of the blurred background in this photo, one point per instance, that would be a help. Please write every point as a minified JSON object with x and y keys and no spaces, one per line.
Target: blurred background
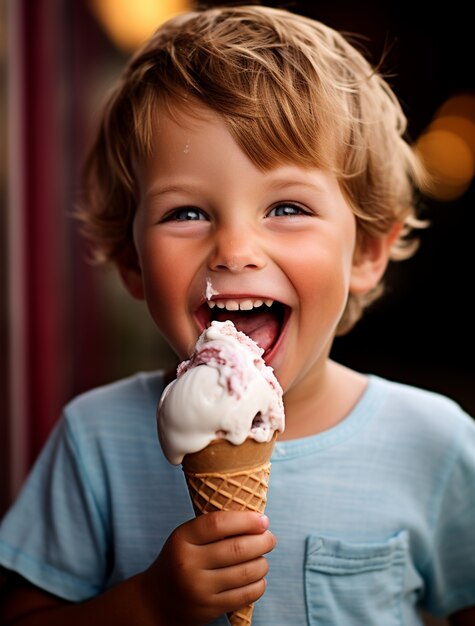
{"x":67,"y":326}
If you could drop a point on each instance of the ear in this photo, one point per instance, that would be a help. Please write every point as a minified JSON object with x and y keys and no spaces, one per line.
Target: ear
{"x":127,"y":262}
{"x":371,"y":259}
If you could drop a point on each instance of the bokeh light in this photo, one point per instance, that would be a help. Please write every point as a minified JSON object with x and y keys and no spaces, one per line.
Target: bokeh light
{"x":447,"y":147}
{"x":129,"y":23}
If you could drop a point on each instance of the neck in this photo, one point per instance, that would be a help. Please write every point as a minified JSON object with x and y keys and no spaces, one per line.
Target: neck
{"x":320,"y":402}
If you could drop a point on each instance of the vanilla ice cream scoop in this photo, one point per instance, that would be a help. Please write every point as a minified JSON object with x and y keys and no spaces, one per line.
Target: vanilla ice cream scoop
{"x":224,"y":391}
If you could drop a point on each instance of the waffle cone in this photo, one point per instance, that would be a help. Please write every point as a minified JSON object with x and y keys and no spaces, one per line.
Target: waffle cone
{"x":226,"y":477}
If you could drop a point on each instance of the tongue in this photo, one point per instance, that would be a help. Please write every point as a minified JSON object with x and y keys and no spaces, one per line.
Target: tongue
{"x":262,"y":327}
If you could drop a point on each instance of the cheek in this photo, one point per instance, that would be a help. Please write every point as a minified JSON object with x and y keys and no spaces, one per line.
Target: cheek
{"x":323,"y":299}
{"x":321,"y":276}
{"x":165,"y":299}
{"x":163,"y":279}
{"x":162,"y":265}
{"x":167,"y":276}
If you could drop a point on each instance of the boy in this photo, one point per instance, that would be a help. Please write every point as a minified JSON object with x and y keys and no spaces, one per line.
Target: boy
{"x":254,"y":152}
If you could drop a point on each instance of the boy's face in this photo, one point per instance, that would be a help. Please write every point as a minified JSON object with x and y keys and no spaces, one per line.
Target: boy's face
{"x":210,"y":224}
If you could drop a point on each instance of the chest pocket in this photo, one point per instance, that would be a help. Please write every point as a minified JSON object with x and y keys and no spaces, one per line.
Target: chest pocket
{"x":354,"y":583}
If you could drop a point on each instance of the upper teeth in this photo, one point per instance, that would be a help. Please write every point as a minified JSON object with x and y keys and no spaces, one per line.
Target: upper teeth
{"x":241,"y":305}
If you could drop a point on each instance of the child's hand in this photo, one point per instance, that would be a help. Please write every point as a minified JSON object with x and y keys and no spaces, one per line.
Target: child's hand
{"x":209,"y":566}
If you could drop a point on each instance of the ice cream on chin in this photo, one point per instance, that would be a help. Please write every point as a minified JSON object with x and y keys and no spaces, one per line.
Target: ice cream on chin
{"x":224,"y":391}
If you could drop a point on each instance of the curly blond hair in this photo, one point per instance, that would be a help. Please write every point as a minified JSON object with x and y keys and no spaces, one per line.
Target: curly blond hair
{"x":289,"y":89}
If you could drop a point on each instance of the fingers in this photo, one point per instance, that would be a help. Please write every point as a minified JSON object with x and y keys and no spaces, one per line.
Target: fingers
{"x":237,"y":598}
{"x":240,"y":575}
{"x":240,"y":549}
{"x":222,"y":524}
{"x":215,"y":562}
{"x":230,"y":538}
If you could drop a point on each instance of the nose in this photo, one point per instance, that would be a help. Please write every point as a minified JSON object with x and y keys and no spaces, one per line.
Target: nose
{"x":236,"y":250}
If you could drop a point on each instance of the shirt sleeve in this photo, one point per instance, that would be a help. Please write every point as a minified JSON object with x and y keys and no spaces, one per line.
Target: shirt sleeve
{"x":450,"y":573}
{"x":55,"y":534}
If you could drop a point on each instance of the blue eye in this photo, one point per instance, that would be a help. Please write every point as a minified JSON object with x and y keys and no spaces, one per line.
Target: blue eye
{"x":286,"y":209}
{"x":185,"y":214}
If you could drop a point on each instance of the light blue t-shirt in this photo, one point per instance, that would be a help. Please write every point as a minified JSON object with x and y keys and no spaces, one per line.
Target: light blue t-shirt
{"x":373,"y":517}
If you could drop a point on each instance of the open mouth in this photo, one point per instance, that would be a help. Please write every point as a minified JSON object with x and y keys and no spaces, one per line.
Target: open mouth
{"x":260,"y":319}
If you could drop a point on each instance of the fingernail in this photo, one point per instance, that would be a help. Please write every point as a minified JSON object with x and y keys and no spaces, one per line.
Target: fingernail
{"x":264,"y":522}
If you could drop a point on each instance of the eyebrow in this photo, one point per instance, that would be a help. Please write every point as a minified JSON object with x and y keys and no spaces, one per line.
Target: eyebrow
{"x":279,"y":184}
{"x":161,"y":191}
{"x":274,"y":183}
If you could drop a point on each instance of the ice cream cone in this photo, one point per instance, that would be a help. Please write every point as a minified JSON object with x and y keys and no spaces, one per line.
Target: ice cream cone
{"x":242,"y":617}
{"x":226,"y":477}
